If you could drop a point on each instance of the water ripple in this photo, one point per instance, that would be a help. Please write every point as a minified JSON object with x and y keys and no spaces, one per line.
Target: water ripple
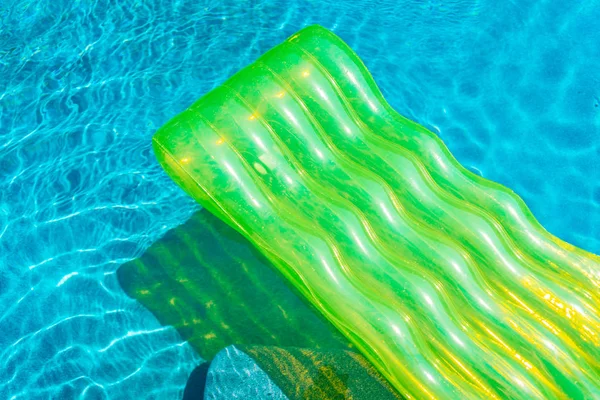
{"x":512,"y":88}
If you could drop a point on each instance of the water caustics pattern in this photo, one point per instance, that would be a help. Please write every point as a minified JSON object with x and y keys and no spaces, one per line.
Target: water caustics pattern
{"x":511,"y":87}
{"x":443,"y":279}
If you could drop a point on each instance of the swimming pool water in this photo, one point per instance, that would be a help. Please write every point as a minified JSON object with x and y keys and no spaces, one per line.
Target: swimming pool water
{"x":512,"y":87}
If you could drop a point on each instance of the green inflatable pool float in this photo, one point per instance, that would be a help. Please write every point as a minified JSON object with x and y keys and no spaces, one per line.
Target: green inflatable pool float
{"x":442,"y":279}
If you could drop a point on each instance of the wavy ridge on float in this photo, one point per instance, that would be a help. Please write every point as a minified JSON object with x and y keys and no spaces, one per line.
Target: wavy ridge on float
{"x":444,"y":280}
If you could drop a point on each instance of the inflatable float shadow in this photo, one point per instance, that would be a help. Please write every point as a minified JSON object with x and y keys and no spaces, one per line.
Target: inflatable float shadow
{"x":217,"y":290}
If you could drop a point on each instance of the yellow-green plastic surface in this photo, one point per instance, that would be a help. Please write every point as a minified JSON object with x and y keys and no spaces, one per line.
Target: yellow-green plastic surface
{"x":444,"y":280}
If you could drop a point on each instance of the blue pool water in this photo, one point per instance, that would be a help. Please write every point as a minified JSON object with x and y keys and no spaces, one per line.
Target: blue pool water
{"x":512,"y":87}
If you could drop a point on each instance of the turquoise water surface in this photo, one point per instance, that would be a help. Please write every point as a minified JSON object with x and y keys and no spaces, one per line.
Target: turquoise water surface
{"x":512,"y":87}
